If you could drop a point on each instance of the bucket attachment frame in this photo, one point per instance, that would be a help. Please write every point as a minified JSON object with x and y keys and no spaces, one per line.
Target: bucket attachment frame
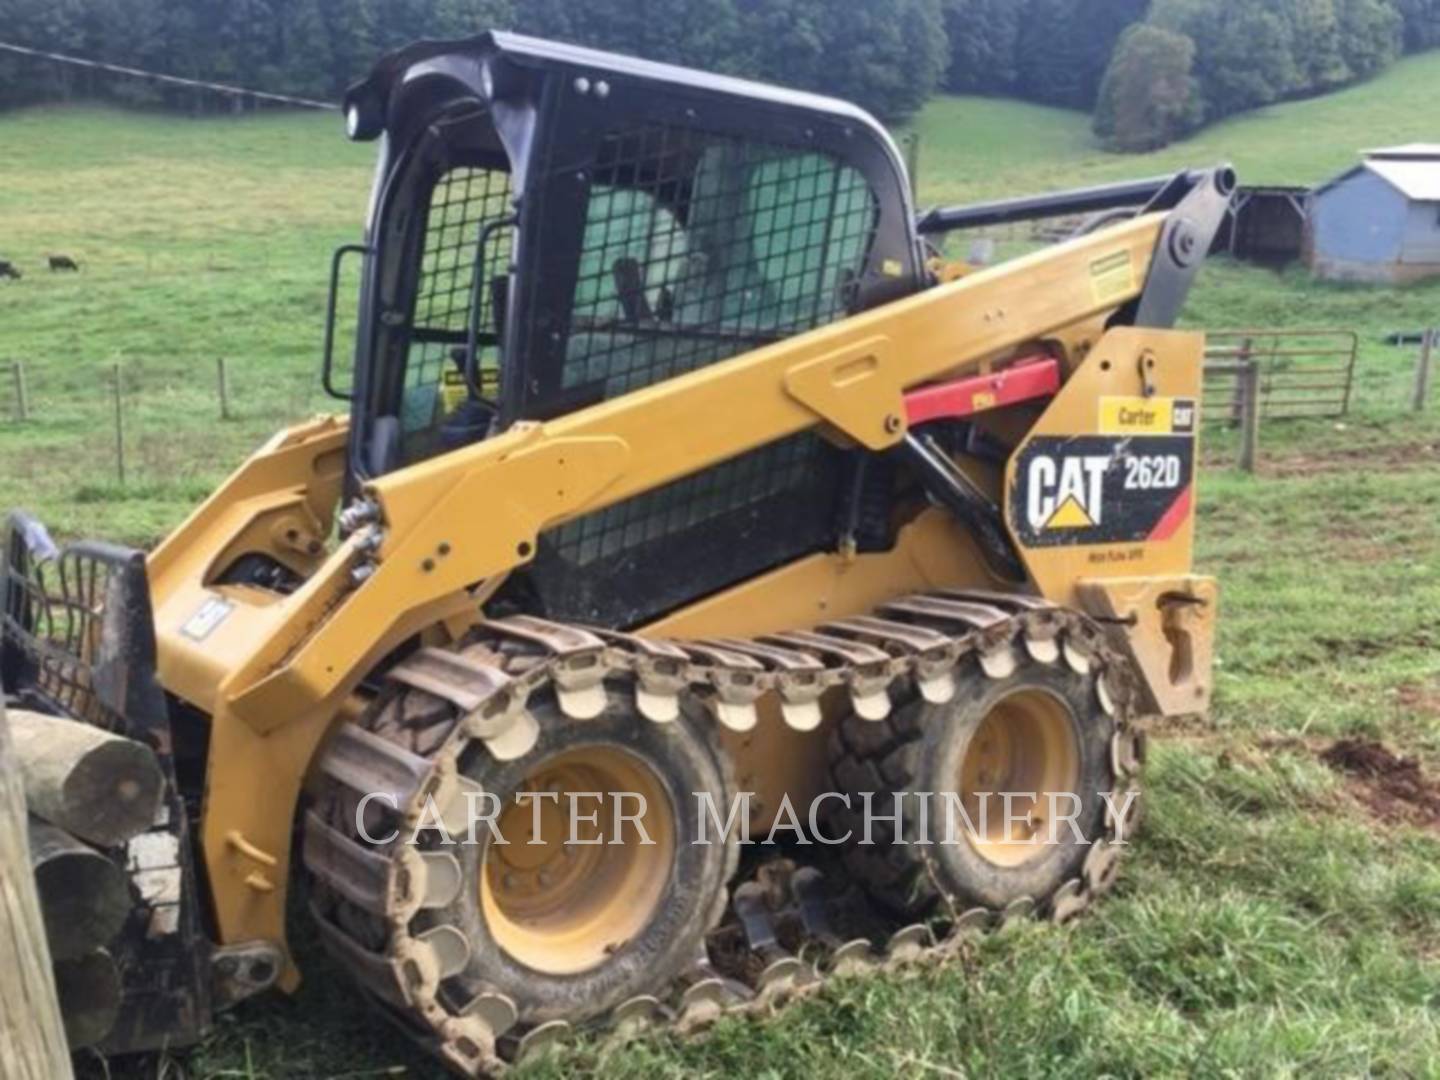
{"x":77,"y":639}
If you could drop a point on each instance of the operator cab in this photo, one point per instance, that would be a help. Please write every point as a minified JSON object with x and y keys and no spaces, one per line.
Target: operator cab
{"x":552,"y":227}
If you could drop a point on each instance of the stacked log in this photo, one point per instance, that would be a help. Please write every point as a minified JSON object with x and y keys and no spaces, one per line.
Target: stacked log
{"x":84,"y":895}
{"x":98,"y":786}
{"x":88,"y":792}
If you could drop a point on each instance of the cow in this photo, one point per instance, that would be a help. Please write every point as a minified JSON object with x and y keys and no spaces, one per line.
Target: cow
{"x":10,"y":270}
{"x":63,"y":262}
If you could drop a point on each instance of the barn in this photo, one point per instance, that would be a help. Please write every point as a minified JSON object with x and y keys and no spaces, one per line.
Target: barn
{"x":1381,"y":220}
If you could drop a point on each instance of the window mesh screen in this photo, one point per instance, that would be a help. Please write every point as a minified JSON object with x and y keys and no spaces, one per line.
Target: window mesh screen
{"x":698,"y":247}
{"x":631,"y":562}
{"x":461,"y":203}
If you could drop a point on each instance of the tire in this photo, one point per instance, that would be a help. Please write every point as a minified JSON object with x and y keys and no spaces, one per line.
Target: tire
{"x":917,"y":753}
{"x":688,"y":893}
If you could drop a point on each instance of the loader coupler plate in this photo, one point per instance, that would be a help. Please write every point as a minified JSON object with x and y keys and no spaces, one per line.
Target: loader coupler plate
{"x":77,"y":639}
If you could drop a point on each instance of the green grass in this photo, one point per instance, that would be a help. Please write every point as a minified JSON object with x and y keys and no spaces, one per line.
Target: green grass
{"x":1268,"y":923}
{"x":198,"y":239}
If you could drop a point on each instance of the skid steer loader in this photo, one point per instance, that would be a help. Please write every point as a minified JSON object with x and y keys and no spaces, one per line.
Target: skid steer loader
{"x":679,"y":468}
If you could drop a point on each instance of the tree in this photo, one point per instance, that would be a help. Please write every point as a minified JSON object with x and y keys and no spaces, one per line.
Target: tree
{"x":675,"y":31}
{"x":1149,"y":93}
{"x":984,"y":45}
{"x":1098,"y":26}
{"x":886,"y":55}
{"x":1050,"y":59}
{"x":1244,"y":50}
{"x":1422,"y":23}
{"x":1314,"y":30}
{"x":1372,"y":35}
{"x":1064,"y":47}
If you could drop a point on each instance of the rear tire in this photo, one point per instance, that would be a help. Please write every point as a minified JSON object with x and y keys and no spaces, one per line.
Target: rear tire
{"x":1040,"y":729}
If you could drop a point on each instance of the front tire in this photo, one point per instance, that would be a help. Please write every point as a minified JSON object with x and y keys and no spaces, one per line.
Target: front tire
{"x":569,"y":931}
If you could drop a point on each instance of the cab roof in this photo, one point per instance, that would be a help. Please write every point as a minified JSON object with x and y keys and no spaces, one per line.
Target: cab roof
{"x":544,"y":56}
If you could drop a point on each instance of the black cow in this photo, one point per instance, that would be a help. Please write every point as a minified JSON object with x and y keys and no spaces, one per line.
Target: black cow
{"x":10,"y":270}
{"x":63,"y":262}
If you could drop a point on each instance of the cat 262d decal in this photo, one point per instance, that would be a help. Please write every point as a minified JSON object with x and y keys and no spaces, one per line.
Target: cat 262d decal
{"x":1101,"y":489}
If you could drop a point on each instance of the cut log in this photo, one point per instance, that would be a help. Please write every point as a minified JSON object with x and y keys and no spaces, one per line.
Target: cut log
{"x":101,"y":787}
{"x":89,"y":990}
{"x":32,"y":1040}
{"x":84,"y":895}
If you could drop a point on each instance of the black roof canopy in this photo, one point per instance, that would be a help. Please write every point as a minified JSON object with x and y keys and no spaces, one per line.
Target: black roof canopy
{"x":560,"y":119}
{"x":500,"y":64}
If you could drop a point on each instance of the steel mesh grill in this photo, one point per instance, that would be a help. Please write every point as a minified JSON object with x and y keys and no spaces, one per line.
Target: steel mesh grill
{"x":698,"y":247}
{"x":461,"y":202}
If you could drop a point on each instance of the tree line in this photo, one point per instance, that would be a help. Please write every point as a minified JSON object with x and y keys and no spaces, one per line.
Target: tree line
{"x":888,"y":55}
{"x":1151,"y":70}
{"x":1148,"y":70}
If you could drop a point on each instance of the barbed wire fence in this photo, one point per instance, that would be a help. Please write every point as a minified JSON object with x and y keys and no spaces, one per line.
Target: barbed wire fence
{"x":238,"y":94}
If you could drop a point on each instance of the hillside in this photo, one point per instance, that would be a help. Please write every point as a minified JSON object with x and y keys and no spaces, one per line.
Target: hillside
{"x":984,"y":147}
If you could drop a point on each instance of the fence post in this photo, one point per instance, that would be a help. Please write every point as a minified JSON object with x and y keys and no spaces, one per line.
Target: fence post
{"x":1422,"y":369}
{"x":22,"y":399}
{"x":119,"y":427}
{"x":1237,"y":401}
{"x":1249,"y":382}
{"x":912,"y":162}
{"x":222,"y":383}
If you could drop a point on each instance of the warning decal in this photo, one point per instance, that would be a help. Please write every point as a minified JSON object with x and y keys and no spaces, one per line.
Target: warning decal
{"x":1112,"y":278}
{"x":1095,"y":489}
{"x":209,"y":615}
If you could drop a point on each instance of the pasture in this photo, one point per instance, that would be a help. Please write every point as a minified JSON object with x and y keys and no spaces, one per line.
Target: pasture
{"x":1280,"y":915}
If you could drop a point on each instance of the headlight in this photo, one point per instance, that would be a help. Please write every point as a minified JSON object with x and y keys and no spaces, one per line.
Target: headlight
{"x":364,"y":118}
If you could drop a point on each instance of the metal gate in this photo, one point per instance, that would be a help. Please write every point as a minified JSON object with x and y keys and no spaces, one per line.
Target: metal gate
{"x":1302,"y":372}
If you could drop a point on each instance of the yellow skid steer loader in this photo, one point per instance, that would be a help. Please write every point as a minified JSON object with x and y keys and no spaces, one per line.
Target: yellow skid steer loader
{"x":694,"y":532}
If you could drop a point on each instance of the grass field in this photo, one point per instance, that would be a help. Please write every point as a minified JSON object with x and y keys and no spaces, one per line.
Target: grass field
{"x":1278,"y":918}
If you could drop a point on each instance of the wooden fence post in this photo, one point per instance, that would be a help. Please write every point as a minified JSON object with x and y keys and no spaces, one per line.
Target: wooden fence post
{"x":119,"y":427}
{"x":912,"y":162}
{"x":1249,"y":380}
{"x":1237,"y":401}
{"x":222,"y":383}
{"x":1422,"y":369}
{"x":32,"y":1038}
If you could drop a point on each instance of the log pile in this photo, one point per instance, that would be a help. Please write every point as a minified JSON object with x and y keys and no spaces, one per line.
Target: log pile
{"x":32,"y":1041}
{"x":88,"y":792}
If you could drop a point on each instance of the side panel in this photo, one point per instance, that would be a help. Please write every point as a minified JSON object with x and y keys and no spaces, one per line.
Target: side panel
{"x":1359,"y":220}
{"x":1100,"y":500}
{"x":1422,"y":235}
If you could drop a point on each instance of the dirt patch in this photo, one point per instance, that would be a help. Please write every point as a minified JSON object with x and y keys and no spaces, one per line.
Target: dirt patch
{"x":1394,"y":788}
{"x":1420,"y":698}
{"x":1348,"y":459}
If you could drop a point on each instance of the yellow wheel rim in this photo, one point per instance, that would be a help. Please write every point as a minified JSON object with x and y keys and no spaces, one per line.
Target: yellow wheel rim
{"x":1026,"y":744}
{"x":562,"y":907}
